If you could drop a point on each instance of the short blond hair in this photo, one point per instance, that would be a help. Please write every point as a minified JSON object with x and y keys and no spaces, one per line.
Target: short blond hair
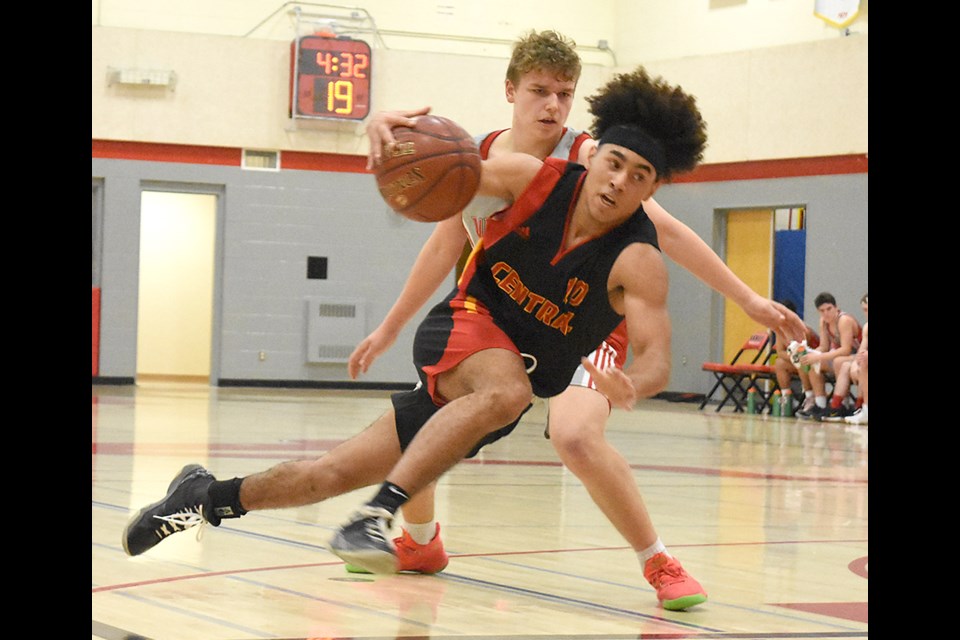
{"x":548,"y":51}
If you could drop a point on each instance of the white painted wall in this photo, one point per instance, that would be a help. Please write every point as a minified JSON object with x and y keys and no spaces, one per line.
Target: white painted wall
{"x":636,"y":30}
{"x":772,"y":80}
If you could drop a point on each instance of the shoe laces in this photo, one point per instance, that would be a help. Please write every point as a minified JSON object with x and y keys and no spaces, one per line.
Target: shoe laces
{"x":377,"y":521}
{"x":665,"y":571}
{"x":181,"y":521}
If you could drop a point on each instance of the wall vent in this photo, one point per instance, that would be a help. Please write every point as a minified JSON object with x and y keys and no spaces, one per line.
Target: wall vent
{"x":142,"y":77}
{"x":334,"y":327}
{"x":333,"y":352}
{"x":260,"y":160}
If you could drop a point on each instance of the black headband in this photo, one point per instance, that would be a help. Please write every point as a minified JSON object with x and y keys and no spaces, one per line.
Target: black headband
{"x":638,"y":141}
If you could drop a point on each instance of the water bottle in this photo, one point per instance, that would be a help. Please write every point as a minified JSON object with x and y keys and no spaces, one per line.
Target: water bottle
{"x":775,"y":410}
{"x":752,"y":400}
{"x":787,"y":399}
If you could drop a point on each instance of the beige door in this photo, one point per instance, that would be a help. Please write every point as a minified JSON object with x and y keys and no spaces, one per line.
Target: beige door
{"x":175,"y":303}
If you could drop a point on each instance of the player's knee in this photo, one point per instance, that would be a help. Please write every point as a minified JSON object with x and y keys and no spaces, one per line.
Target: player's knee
{"x":578,"y":449}
{"x":570,"y":444}
{"x":506,"y":401}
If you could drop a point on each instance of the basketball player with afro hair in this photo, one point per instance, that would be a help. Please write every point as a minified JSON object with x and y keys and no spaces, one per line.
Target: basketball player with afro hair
{"x":570,"y":259}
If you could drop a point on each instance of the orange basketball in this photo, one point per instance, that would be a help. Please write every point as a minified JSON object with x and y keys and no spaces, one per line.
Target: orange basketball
{"x":432,"y":171}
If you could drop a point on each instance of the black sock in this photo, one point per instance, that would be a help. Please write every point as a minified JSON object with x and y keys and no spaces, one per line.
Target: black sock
{"x":390,"y":497}
{"x":225,"y":500}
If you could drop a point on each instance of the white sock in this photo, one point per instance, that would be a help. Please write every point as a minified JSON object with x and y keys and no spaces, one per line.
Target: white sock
{"x":821,"y":401}
{"x":421,"y":532}
{"x":807,"y":394}
{"x":652,"y":550}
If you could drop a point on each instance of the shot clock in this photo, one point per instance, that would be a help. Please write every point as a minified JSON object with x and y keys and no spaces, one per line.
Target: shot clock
{"x":331,"y":78}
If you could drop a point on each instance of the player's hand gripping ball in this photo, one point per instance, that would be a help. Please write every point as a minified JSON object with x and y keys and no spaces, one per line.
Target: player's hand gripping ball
{"x":432,"y":171}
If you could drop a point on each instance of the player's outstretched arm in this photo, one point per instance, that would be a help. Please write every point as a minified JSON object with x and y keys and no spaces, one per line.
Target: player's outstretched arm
{"x":686,"y":248}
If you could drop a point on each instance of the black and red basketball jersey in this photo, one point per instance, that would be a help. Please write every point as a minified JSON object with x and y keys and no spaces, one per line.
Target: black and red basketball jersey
{"x":552,"y":302}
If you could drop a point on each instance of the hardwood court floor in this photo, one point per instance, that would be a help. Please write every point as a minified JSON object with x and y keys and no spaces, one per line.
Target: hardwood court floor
{"x":769,"y":514}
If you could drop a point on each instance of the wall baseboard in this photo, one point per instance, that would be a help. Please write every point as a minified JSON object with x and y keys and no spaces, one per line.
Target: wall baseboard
{"x":171,"y":377}
{"x":278,"y":384}
{"x":112,"y":380}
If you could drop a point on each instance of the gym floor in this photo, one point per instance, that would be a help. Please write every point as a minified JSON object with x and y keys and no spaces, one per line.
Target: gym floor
{"x":769,"y":514}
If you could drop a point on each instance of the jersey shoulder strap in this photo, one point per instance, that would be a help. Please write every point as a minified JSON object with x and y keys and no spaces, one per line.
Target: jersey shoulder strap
{"x":578,"y":141}
{"x":486,"y":141}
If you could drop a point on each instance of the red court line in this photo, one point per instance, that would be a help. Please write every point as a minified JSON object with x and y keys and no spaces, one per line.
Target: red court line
{"x":856,"y":611}
{"x":318,"y":447}
{"x":498,"y":554}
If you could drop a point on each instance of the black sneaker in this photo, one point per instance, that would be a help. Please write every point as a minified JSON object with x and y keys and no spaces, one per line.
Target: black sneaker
{"x":835,"y":414}
{"x":365,"y":541}
{"x":185,"y":506}
{"x":814,"y":413}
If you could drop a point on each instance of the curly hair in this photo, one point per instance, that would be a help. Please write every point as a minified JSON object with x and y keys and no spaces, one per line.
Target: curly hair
{"x":547,"y":50}
{"x":662,"y":111}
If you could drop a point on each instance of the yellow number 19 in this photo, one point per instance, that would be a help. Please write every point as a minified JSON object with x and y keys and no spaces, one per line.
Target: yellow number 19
{"x":340,"y":92}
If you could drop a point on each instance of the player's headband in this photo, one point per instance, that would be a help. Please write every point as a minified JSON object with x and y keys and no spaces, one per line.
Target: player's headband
{"x":638,"y":141}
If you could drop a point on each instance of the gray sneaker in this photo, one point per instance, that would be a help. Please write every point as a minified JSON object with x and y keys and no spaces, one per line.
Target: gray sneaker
{"x":365,"y":541}
{"x":185,"y":506}
{"x":808,"y":404}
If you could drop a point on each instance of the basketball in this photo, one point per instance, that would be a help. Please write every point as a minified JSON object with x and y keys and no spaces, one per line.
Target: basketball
{"x":432,"y":171}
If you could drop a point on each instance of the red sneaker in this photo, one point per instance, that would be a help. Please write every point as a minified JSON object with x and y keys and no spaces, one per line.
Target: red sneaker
{"x":676,"y":589}
{"x":416,"y":558}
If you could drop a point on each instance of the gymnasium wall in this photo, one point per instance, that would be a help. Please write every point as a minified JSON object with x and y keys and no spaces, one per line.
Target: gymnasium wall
{"x":803,"y":99}
{"x":272,"y":222}
{"x":796,"y":100}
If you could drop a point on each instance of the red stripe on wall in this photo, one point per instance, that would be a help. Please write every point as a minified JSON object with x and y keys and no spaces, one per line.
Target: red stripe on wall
{"x":307,"y":161}
{"x":785,"y":168}
{"x":322,"y":162}
{"x":156,"y":152}
{"x":228,"y":156}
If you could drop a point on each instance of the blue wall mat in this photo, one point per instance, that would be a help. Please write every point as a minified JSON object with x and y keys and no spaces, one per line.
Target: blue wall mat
{"x":789,"y":266}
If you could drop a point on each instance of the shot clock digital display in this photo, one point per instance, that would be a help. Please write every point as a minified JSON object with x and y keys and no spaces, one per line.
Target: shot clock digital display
{"x":332,"y":77}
